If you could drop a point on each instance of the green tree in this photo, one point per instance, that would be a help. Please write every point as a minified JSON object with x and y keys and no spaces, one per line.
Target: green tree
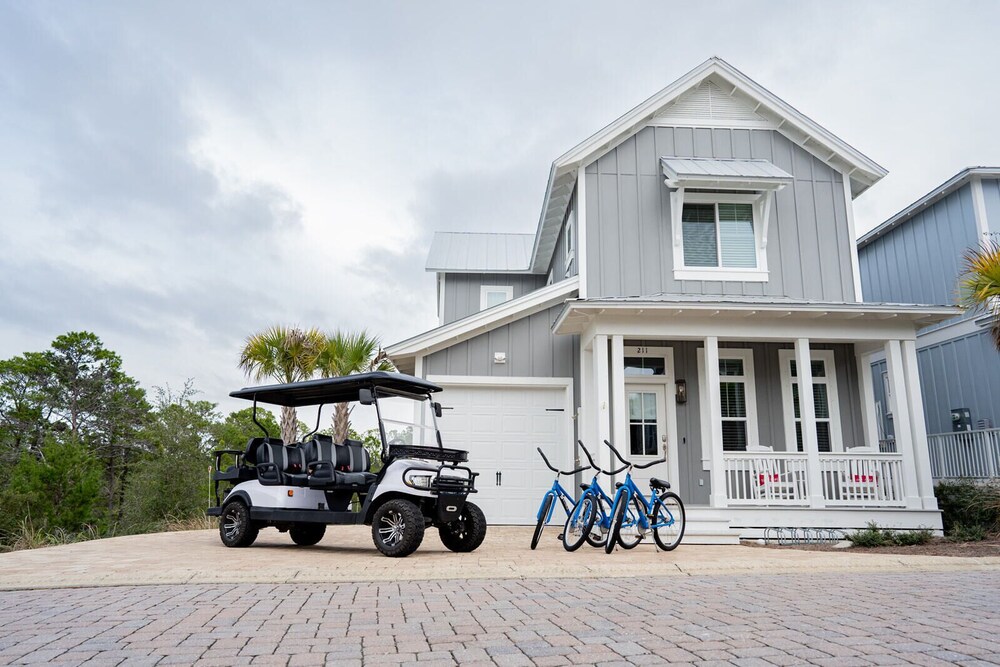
{"x":237,"y":428}
{"x":345,"y":353}
{"x":284,"y":354}
{"x":56,"y":488}
{"x":25,"y":408}
{"x":981,"y":283}
{"x":171,"y":479}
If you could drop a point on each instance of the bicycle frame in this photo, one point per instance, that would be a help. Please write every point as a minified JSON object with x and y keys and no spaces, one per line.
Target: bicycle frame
{"x":629,"y":490}
{"x":564,"y":497}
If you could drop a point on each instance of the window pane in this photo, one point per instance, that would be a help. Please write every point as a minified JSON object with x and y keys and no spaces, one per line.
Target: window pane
{"x":821,"y":400}
{"x":823,"y":436}
{"x":649,"y":407}
{"x":635,"y":444}
{"x":634,"y":406}
{"x":650,"y":440}
{"x":733,"y":399}
{"x":730,"y":367}
{"x":798,"y":436}
{"x":818,"y":369}
{"x":495,"y":298}
{"x":698,"y":224}
{"x":644,"y":366}
{"x":734,"y":436}
{"x":736,"y":234}
{"x":795,"y":400}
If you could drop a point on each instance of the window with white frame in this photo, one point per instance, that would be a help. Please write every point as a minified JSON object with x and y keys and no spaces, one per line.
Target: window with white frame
{"x":568,"y":241}
{"x":494,"y":295}
{"x":736,"y":392}
{"x":825,"y":400}
{"x":720,"y":235}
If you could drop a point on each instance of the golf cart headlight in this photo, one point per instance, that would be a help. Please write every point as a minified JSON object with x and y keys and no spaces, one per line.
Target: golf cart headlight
{"x":419,"y":479}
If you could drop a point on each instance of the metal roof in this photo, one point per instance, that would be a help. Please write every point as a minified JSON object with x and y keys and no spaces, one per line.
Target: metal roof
{"x":471,"y":252}
{"x":722,"y":170}
{"x":935,"y":195}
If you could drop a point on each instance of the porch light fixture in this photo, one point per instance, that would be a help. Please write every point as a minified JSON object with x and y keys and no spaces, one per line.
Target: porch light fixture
{"x":499,"y":357}
{"x":682,"y":391}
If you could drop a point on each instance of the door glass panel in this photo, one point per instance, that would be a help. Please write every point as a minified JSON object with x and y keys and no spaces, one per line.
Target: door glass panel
{"x":643,"y":428}
{"x":649,"y":407}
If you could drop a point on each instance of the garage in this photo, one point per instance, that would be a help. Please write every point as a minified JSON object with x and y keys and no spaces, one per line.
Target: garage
{"x":501,"y":425}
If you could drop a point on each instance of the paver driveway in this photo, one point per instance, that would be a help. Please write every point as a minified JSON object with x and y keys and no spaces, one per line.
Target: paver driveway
{"x":822,"y":619}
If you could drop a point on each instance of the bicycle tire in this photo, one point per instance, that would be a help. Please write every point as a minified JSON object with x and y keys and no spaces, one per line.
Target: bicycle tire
{"x":617,"y":516}
{"x":623,"y":542}
{"x":579,"y":523}
{"x":596,"y":537}
{"x":675,"y":535}
{"x":543,"y":518}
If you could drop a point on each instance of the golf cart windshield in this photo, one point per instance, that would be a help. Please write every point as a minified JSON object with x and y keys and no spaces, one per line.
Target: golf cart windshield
{"x":407,"y":419}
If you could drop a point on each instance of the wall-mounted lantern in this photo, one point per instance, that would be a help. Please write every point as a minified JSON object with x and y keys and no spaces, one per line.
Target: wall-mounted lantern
{"x":682,"y":391}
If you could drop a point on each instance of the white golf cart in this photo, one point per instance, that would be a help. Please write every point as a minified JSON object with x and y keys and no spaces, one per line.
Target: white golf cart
{"x":304,"y":487}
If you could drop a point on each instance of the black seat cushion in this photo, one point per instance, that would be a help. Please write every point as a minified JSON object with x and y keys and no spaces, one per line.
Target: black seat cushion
{"x":659,"y":484}
{"x":280,"y":464}
{"x":330,"y":465}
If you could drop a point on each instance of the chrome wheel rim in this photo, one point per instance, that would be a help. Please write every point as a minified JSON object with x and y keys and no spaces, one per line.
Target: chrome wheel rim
{"x":391,"y":529}
{"x":231,"y":525}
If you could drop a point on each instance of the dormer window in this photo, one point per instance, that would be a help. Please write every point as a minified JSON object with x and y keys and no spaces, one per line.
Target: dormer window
{"x":719,"y":214}
{"x":494,"y":295}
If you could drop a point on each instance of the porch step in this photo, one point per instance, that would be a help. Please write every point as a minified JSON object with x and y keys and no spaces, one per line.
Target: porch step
{"x":708,"y":526}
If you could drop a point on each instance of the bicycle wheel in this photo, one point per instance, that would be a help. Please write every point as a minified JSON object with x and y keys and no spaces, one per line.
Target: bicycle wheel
{"x":618,"y":511}
{"x":598,"y":533}
{"x":668,"y":521}
{"x":630,"y":530}
{"x":543,"y":518}
{"x":579,"y":522}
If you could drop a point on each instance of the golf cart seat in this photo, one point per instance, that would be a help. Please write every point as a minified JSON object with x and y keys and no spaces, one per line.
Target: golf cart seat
{"x":335,"y":466}
{"x":280,"y":464}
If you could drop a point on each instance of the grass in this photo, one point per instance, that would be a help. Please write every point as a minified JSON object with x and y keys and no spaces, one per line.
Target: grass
{"x":873,"y":536}
{"x":27,"y":535}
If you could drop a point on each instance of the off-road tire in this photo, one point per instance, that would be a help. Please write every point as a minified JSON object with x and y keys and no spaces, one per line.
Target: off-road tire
{"x":397,"y":528}
{"x":307,"y":534}
{"x":465,"y":533}
{"x":235,"y":527}
{"x":543,"y":518}
{"x":669,"y":541}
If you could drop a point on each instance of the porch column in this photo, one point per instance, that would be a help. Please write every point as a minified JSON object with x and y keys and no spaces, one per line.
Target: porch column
{"x":713,"y":398}
{"x":869,"y":420}
{"x":902,"y":423}
{"x":619,"y":413}
{"x":585,"y":417}
{"x":918,"y":426}
{"x":602,"y":411}
{"x":807,"y":415}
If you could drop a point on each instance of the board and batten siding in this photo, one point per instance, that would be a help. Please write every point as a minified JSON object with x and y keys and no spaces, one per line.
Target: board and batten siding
{"x":963,"y":372}
{"x":920,"y":261}
{"x":629,"y":242}
{"x":531,"y":350}
{"x":991,"y":198}
{"x":462,"y":291}
{"x":557,"y":265}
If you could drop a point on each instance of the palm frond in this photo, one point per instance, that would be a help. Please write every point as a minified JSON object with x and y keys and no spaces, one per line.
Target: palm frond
{"x":980,"y":284}
{"x":285,"y":354}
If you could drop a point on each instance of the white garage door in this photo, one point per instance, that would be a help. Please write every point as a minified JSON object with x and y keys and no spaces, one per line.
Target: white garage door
{"x":501,"y":426}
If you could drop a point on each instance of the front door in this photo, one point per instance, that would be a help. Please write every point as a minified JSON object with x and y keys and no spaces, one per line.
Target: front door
{"x":647,"y":431}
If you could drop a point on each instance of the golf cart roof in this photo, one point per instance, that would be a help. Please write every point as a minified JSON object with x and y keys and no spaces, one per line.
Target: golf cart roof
{"x":334,"y":390}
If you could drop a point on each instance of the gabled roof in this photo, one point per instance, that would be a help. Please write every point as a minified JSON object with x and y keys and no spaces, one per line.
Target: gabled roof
{"x":765,"y":105}
{"x":470,"y":252}
{"x":935,"y":195}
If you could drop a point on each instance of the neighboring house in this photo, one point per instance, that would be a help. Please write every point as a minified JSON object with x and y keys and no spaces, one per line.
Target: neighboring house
{"x":691,"y":260}
{"x":917,"y":256}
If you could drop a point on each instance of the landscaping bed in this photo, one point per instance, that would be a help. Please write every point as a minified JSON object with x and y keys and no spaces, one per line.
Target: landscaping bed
{"x":938,"y":546}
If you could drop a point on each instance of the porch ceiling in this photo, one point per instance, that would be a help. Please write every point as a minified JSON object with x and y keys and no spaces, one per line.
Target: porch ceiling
{"x":579,"y":315}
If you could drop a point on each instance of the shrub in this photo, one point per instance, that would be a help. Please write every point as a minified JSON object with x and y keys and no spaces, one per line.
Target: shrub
{"x":873,"y":536}
{"x":908,"y":538}
{"x":968,"y":504}
{"x":961,"y":532}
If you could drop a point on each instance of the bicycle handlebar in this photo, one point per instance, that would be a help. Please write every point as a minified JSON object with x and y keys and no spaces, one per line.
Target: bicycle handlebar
{"x":594,"y":465}
{"x":636,"y":466}
{"x":556,"y":470}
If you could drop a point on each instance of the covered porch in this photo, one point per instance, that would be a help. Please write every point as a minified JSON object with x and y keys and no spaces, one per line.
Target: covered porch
{"x":735,"y":434}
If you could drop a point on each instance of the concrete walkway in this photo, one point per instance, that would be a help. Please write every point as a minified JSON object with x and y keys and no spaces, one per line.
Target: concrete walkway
{"x":347,"y":555}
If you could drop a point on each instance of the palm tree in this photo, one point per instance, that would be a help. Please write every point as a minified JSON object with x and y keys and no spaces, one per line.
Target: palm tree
{"x":285,"y":354}
{"x":981,"y":283}
{"x":343,"y":354}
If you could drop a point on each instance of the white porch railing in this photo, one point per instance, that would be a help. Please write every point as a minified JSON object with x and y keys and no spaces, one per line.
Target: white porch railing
{"x":766,"y":478}
{"x":781,"y":479}
{"x":863,"y":480}
{"x":973,"y":454}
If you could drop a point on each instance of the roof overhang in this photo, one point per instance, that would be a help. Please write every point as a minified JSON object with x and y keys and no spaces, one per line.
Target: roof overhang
{"x":932,"y":197}
{"x":404,"y":352}
{"x":862,"y":171}
{"x":680,"y":172}
{"x":577,"y":316}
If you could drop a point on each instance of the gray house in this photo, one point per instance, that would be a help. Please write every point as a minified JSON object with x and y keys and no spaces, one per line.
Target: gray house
{"x":916,"y":256}
{"x":693,"y":272}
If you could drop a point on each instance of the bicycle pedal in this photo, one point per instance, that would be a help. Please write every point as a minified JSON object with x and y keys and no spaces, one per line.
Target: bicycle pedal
{"x":559,"y":536}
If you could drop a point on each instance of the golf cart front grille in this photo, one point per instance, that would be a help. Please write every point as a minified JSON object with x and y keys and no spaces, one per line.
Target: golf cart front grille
{"x":429,"y":453}
{"x":455,"y":485}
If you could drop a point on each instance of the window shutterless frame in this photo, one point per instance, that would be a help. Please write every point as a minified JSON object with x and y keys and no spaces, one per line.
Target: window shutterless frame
{"x":758,"y":273}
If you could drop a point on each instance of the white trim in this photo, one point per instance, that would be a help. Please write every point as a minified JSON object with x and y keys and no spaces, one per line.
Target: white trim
{"x":759,"y":203}
{"x":749,"y":380}
{"x":852,"y":232}
{"x":667,"y":381}
{"x":441,"y":277}
{"x":829,"y":360}
{"x":581,"y":228}
{"x":484,"y":291}
{"x":979,"y":207}
{"x":901,"y":423}
{"x":418,"y":366}
{"x":619,"y":402}
{"x":869,"y":422}
{"x":722,"y":273}
{"x":959,"y":329}
{"x":679,"y":121}
{"x":483,"y":321}
{"x":602,"y":407}
{"x":713,"y":400}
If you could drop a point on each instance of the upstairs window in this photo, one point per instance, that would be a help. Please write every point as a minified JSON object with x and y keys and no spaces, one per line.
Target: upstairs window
{"x":494,"y":295}
{"x":719,"y":236}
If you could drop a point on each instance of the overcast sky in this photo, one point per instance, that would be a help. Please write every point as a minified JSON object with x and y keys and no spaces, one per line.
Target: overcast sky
{"x":175,"y":176}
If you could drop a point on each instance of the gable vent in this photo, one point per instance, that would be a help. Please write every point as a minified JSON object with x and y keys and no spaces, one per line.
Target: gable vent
{"x":710,"y":102}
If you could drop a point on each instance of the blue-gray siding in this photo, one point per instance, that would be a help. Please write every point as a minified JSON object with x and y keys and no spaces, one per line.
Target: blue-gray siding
{"x":531,"y":348}
{"x":462,"y":290}
{"x":629,"y":243}
{"x":920,"y":261}
{"x":557,"y":266}
{"x":991,"y":197}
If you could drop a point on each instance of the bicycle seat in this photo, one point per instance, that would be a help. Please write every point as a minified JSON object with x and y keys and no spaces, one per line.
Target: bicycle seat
{"x":619,"y":485}
{"x":655,"y":483}
{"x":584,"y":487}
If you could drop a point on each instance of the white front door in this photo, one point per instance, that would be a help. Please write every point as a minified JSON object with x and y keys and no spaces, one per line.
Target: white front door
{"x":646,"y":431}
{"x":501,"y":426}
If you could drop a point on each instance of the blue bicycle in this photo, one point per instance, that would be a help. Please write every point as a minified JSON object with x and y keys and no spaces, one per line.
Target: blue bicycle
{"x":633,"y":515}
{"x":590,"y":520}
{"x":548,"y":505}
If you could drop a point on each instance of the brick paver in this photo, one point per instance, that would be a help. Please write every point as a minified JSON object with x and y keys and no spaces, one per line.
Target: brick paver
{"x":807,"y":618}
